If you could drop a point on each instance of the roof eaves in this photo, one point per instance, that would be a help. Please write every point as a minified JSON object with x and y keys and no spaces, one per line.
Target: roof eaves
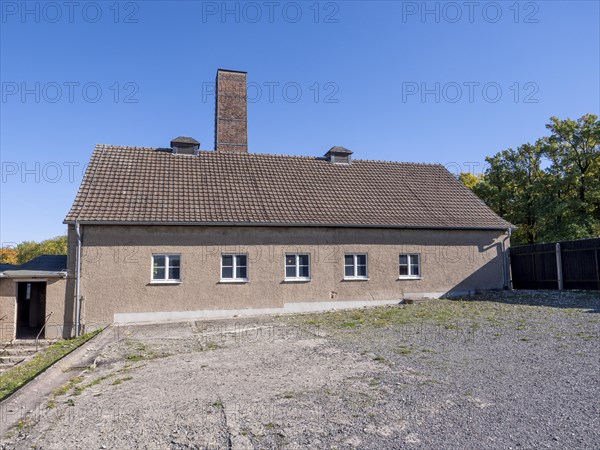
{"x":281,"y":224}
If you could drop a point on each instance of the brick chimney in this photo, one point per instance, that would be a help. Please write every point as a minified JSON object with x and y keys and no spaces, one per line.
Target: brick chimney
{"x":231,"y":112}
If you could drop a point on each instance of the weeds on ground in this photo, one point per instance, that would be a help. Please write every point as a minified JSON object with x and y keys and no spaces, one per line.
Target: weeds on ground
{"x":470,"y":315}
{"x":142,"y":352}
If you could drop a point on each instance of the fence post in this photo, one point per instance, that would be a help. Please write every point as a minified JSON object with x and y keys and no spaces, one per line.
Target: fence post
{"x":559,"y":270}
{"x":598,"y":268}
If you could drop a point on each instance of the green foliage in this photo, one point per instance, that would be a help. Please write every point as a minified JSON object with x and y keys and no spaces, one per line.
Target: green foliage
{"x":550,"y":189}
{"x":28,"y":250}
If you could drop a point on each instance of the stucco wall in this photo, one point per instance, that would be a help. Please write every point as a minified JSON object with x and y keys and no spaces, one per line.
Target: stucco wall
{"x":116,"y":266}
{"x":55,"y":304}
{"x":8,"y":296}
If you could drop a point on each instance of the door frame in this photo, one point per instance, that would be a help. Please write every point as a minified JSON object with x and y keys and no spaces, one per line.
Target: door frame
{"x":16,"y":307}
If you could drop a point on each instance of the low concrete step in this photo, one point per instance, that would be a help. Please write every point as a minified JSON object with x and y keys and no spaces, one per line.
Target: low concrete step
{"x":4,"y":367}
{"x":19,"y":351}
{"x":29,"y":343}
{"x":16,"y":351}
{"x":12,"y":359}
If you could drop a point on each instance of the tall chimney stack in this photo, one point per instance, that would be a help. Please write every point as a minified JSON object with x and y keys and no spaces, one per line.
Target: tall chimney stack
{"x":231,"y":112}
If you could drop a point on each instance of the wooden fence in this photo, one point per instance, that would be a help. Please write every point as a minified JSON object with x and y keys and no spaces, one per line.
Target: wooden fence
{"x":561,"y":265}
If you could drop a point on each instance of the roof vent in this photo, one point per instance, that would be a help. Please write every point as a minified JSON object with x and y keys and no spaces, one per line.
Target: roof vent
{"x":339,"y":155}
{"x":185,"y":146}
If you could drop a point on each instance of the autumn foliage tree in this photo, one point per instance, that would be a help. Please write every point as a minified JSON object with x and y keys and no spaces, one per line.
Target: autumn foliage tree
{"x":8,"y":255}
{"x":26,"y":251}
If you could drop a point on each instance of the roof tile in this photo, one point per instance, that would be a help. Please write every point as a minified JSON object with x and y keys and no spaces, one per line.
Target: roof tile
{"x":146,"y":185}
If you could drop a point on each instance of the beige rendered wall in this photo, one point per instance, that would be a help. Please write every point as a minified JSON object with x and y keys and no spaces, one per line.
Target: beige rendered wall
{"x":116,"y":266}
{"x":55,"y":304}
{"x":8,"y":298}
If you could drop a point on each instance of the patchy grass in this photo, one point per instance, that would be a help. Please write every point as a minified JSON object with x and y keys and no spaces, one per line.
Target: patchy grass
{"x":287,"y":395}
{"x":403,"y":350}
{"x":67,"y":386}
{"x":446,"y":313}
{"x":142,"y":352}
{"x":75,"y":385}
{"x":211,"y":345}
{"x":469,"y":315}
{"x":586,"y":336}
{"x":18,"y":376}
{"x":121,"y":380}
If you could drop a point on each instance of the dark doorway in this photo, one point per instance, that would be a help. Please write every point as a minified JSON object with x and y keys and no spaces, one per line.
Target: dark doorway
{"x":31,"y":309}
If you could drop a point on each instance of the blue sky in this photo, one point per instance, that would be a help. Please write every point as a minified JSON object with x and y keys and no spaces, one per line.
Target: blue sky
{"x":446,"y":82}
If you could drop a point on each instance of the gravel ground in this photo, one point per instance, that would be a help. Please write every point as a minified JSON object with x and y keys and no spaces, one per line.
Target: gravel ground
{"x":501,"y":370}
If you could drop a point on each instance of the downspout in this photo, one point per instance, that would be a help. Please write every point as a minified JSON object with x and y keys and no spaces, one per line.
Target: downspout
{"x":507,"y":259}
{"x":78,"y":281}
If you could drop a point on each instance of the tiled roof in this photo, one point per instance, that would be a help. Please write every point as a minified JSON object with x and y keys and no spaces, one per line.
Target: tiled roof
{"x":50,"y":263}
{"x":146,"y":185}
{"x":42,"y":266}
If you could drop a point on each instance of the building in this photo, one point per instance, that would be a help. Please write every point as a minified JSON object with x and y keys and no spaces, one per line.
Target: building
{"x":181,"y":233}
{"x":33,"y":294}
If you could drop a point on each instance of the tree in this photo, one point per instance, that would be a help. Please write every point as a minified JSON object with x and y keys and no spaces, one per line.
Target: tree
{"x":470,"y":180}
{"x":576,"y":145}
{"x":8,"y":255}
{"x":494,"y":189}
{"x":558,"y":202}
{"x":511,"y":187}
{"x":573,"y":149}
{"x":28,"y":250}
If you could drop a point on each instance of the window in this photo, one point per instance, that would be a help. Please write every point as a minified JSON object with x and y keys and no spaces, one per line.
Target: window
{"x":410,"y":266}
{"x":166,"y":268}
{"x":234,"y":268}
{"x":355,"y":267}
{"x":297,"y":267}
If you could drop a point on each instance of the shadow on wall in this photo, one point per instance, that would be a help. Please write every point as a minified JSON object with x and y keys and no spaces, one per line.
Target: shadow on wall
{"x":480,"y":280}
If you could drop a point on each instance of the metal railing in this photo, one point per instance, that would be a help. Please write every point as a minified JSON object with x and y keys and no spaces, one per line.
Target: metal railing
{"x":42,"y":329}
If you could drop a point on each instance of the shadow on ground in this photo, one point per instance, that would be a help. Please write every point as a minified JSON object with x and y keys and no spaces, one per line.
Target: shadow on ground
{"x":588,"y":300}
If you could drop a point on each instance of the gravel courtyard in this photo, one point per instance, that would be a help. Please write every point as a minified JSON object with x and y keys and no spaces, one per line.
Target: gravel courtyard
{"x":503,"y":370}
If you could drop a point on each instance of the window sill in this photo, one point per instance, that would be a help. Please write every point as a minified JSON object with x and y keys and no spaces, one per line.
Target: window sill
{"x":165,"y":282}
{"x":409,"y":278}
{"x":296,"y":280}
{"x":356,"y":278}
{"x":234,"y":281}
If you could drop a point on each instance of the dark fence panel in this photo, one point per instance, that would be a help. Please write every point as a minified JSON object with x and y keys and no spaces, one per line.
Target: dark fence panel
{"x":535,"y":266}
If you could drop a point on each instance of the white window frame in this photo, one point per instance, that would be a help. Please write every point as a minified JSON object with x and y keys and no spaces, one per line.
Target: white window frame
{"x":297,"y":267}
{"x":409,"y":264}
{"x":165,"y":280}
{"x":355,"y":266}
{"x":234,"y":267}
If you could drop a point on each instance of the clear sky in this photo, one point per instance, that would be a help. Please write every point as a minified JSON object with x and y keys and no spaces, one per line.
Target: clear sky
{"x":447,"y":82}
